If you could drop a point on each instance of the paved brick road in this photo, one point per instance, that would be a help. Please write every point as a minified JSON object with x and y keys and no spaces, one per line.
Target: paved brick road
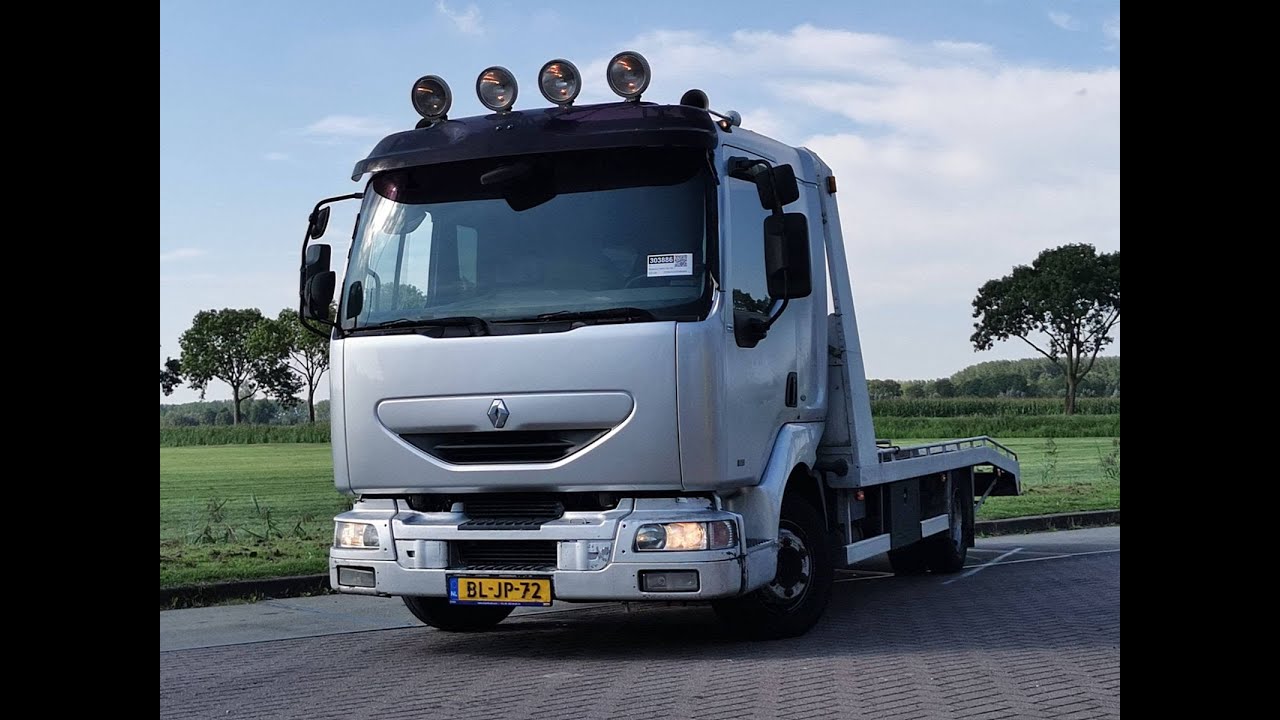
{"x":1036,"y":639}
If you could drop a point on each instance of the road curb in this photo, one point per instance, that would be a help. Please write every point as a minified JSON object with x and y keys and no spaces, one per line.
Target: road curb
{"x":286,"y":587}
{"x":1038,"y":523}
{"x":208,"y":593}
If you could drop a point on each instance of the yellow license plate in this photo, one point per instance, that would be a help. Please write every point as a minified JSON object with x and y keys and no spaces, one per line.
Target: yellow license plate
{"x":465,"y":590}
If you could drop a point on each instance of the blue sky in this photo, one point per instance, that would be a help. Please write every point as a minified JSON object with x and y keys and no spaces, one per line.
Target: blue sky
{"x":967,"y":136}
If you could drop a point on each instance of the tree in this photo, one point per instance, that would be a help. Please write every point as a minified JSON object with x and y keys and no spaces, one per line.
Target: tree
{"x":273,"y":342}
{"x":1070,"y":295}
{"x":914,"y":389}
{"x":308,"y":354}
{"x":237,"y":347}
{"x":261,"y":412}
{"x":881,"y":389}
{"x":170,"y":375}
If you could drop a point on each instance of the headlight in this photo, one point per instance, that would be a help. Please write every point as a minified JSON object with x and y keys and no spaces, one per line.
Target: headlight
{"x":355,"y":535}
{"x":716,"y":535}
{"x":496,"y":88}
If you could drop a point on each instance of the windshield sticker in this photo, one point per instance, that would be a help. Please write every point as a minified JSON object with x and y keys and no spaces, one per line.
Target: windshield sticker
{"x":671,"y":264}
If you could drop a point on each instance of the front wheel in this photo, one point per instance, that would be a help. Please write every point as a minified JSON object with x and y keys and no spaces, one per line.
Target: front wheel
{"x":791,"y":604}
{"x":440,"y":614}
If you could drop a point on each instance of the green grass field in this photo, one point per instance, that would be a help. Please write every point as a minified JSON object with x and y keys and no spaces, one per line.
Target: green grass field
{"x":211,"y":529}
{"x":247,"y":511}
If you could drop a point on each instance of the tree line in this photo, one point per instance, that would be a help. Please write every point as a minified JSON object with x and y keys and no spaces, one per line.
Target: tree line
{"x":1028,"y":378}
{"x":254,"y":411}
{"x":254,"y":355}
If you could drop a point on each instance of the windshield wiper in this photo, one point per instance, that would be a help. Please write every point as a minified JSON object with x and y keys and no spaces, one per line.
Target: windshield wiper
{"x":625,"y":314}
{"x":477,"y":325}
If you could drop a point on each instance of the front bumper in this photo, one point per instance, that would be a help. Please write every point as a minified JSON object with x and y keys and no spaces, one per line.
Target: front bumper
{"x":595,"y":559}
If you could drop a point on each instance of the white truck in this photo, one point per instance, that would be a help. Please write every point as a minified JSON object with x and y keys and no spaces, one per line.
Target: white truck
{"x":585,"y":353}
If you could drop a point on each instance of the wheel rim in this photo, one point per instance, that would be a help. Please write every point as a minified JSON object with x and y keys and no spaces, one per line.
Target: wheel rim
{"x":795,"y":563}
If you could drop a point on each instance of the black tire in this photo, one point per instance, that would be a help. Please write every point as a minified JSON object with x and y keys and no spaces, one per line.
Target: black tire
{"x":439,"y":614}
{"x":946,"y":552}
{"x":942,"y":553}
{"x":795,"y":600}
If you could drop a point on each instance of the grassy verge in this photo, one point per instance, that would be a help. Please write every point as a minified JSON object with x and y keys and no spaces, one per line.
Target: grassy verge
{"x":1061,"y":475}
{"x":233,"y":512}
{"x":244,"y":511}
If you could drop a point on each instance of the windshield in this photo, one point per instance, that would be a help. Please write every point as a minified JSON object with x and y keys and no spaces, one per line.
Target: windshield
{"x":556,"y":235}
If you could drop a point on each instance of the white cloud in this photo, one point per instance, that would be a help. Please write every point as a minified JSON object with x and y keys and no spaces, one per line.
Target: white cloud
{"x":276,"y":156}
{"x":185,"y":253}
{"x":468,"y":21}
{"x":1111,"y":30}
{"x":1064,"y":21}
{"x":953,"y":163}
{"x":345,"y":127}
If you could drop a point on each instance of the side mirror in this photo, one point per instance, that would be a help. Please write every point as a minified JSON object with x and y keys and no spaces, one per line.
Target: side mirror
{"x":784,"y":185}
{"x":776,"y":185}
{"x":318,"y":223}
{"x":786,"y":256}
{"x":320,"y":294}
{"x":316,"y":261}
{"x":317,"y":281}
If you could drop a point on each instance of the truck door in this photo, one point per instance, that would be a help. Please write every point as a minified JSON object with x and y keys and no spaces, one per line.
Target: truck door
{"x":756,"y":377}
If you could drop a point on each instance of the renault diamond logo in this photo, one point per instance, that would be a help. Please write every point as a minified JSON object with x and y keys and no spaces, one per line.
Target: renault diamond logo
{"x":498,"y":413}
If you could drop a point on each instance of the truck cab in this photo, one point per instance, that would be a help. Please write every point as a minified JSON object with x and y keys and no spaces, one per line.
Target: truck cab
{"x":585,"y":353}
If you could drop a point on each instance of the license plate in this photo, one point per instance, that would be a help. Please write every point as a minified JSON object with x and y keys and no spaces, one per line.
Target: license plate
{"x":468,"y":590}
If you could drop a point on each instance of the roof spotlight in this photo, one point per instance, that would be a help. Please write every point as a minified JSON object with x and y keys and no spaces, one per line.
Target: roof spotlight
{"x":496,"y":88}
{"x":628,"y":74}
{"x":431,"y":97}
{"x":559,"y":82}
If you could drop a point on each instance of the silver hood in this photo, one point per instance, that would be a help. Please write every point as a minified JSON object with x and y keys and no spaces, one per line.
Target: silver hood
{"x":592,"y":408}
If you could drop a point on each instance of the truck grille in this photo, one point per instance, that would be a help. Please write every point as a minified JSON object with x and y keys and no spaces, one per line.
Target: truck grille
{"x":506,"y":554}
{"x":511,"y":512}
{"x":517,"y":446}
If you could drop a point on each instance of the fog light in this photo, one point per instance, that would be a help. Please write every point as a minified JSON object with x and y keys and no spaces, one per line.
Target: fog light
{"x":356,"y":577}
{"x":431,"y":97}
{"x":669,"y":580}
{"x":355,"y":535}
{"x":496,"y":88}
{"x":560,"y":82}
{"x":628,"y":74}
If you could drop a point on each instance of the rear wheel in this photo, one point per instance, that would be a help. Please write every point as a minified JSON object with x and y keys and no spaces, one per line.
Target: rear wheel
{"x":946,"y":552}
{"x":439,"y":614}
{"x":795,"y":599}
